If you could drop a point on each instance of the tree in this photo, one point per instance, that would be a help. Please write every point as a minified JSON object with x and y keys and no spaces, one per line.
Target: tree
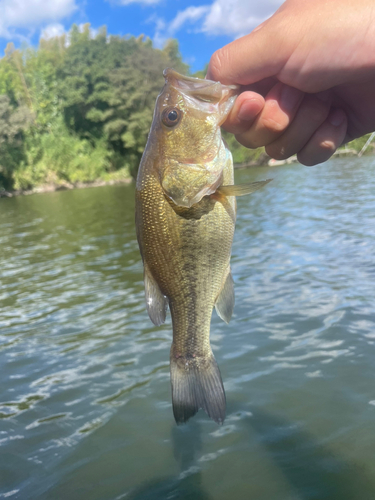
{"x":109,"y":87}
{"x":79,"y":106}
{"x":172,"y":51}
{"x":135,"y":87}
{"x":13,"y":123}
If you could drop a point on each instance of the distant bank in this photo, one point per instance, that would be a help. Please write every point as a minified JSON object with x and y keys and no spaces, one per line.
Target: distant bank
{"x":50,"y":188}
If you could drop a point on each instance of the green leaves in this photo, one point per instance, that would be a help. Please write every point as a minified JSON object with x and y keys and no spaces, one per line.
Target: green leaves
{"x":13,"y":123}
{"x":79,"y":107}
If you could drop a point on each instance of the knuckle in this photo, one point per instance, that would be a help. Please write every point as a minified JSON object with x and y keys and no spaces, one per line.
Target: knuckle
{"x":215,"y":64}
{"x":275,"y":125}
{"x":307,"y":84}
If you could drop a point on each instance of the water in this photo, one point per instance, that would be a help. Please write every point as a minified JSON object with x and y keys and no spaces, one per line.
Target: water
{"x":85,"y":405}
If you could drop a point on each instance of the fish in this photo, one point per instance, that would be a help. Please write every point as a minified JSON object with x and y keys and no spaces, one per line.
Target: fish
{"x":185,"y":219}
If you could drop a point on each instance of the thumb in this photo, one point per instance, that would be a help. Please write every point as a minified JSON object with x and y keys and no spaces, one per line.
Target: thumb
{"x":254,"y":57}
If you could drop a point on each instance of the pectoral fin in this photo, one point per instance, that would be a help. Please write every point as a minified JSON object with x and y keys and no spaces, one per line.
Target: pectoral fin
{"x":225,"y":301}
{"x":156,"y":302}
{"x":242,"y":189}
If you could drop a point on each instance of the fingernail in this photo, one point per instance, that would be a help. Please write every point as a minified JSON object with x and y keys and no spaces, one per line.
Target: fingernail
{"x":337,"y":117}
{"x":289,"y":97}
{"x":249,"y":109}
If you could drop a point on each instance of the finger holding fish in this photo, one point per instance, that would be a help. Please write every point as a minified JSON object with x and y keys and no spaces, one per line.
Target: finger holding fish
{"x":247,"y":107}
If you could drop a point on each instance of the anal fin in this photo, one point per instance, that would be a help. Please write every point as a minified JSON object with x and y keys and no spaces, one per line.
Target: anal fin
{"x":156,"y":302}
{"x":225,"y":302}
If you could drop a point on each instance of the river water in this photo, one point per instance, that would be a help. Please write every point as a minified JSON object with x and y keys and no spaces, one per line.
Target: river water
{"x":85,"y":404}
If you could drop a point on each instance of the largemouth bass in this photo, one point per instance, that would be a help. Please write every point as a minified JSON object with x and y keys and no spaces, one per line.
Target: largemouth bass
{"x":185,"y":219}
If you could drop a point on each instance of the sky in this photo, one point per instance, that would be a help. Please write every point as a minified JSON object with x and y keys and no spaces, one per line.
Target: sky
{"x":201,"y":26}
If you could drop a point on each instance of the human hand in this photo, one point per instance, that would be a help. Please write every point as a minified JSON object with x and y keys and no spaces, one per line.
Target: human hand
{"x":308,"y":77}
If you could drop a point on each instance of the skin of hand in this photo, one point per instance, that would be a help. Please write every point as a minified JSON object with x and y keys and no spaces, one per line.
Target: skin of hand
{"x":308,"y":78}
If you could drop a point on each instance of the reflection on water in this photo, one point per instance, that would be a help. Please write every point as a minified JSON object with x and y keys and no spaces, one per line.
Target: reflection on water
{"x":85,"y":407}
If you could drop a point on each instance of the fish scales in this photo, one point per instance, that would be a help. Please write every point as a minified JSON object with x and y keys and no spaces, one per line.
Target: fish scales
{"x":188,"y":254}
{"x":185,"y":219}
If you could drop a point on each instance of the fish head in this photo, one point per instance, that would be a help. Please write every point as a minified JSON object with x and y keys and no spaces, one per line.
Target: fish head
{"x":187,"y":119}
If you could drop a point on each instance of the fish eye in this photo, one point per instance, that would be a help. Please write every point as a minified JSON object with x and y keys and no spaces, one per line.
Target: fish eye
{"x":171,"y":116}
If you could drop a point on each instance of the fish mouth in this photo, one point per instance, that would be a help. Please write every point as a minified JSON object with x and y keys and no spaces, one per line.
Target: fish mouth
{"x":192,"y":82}
{"x":205,"y":91}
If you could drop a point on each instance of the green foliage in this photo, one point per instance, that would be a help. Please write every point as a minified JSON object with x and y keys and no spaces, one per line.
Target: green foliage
{"x":172,"y":52}
{"x":61,"y":158}
{"x":358,"y":144}
{"x":109,"y":88}
{"x":79,"y":108}
{"x":78,"y":111}
{"x":136,"y":85}
{"x":240,"y":153}
{"x":13,"y":123}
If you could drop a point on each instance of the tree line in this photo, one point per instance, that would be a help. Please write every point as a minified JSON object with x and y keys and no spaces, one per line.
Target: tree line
{"x":78,"y":107}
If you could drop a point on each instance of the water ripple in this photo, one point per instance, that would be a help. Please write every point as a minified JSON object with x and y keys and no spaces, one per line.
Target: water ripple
{"x":85,"y":406}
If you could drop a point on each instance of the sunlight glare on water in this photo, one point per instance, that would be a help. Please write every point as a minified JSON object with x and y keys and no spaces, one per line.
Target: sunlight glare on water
{"x":85,"y":405}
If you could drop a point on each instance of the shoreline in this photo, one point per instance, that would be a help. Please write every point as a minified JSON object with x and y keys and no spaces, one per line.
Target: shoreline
{"x":263,"y":161}
{"x":266,"y":161}
{"x":51,"y":188}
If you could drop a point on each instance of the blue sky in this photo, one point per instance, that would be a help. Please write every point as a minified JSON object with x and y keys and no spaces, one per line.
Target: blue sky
{"x":200,"y":26}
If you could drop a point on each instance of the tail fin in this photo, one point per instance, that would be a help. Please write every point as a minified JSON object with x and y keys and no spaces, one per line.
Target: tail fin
{"x":196,"y":383}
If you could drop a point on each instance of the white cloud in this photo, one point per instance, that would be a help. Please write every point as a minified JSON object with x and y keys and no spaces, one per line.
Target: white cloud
{"x":52,"y":31}
{"x":223,"y":17}
{"x":237,"y":17}
{"x":191,"y":14}
{"x":163,"y":31}
{"x":160,"y":30}
{"x":30,"y":14}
